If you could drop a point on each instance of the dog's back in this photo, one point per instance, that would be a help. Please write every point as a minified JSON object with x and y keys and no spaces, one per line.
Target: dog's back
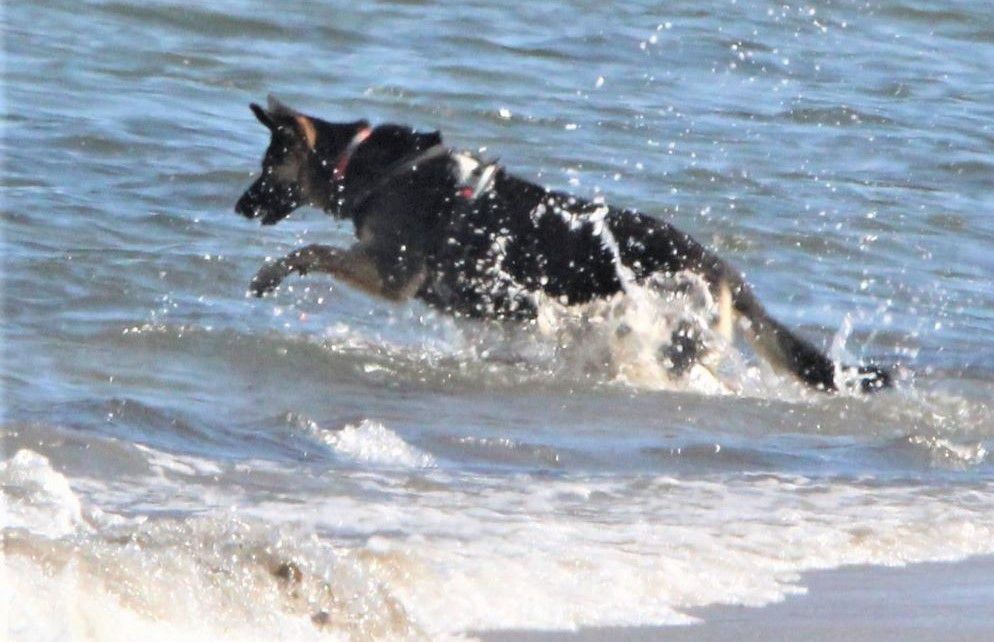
{"x":500,"y":247}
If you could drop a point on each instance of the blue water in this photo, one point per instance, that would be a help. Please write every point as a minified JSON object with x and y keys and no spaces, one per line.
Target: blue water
{"x":840,"y":154}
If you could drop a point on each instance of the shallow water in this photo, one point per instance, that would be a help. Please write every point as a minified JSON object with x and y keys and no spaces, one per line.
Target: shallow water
{"x":183,"y":461}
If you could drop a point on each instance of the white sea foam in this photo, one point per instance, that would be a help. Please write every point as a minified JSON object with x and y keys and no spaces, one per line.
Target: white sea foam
{"x":422,"y":553}
{"x":37,"y":498}
{"x":564,"y":554}
{"x":945,"y":453}
{"x":164,"y":463}
{"x":371,"y":442}
{"x":204,"y":580}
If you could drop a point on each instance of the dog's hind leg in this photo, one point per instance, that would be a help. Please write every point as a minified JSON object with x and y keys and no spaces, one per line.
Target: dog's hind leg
{"x":357,"y":266}
{"x":653,"y":246}
{"x":785,"y":349}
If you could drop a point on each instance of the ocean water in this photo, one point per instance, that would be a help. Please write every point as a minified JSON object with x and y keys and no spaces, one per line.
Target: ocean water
{"x":181,"y":461}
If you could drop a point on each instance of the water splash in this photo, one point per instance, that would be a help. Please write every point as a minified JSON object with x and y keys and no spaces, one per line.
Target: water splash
{"x":371,"y":442}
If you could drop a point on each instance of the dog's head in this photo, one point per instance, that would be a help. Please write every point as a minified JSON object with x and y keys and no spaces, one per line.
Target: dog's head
{"x":313,"y":162}
{"x":301,"y":164}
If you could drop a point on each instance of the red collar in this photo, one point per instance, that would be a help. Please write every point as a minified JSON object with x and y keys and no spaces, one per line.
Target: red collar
{"x":343,"y":159}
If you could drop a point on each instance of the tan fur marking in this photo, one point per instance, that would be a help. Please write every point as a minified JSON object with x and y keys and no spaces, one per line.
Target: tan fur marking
{"x":355,"y":266}
{"x":307,"y":127}
{"x":726,"y":327}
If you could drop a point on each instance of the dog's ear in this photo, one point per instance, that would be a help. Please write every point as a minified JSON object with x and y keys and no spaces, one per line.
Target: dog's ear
{"x":278,"y":115}
{"x":275,"y":113}
{"x":306,"y":129}
{"x":262,"y":116}
{"x":277,"y":109}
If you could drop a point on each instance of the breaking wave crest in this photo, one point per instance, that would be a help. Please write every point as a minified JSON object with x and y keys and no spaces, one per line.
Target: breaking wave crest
{"x":371,"y":442}
{"x":421,"y":553}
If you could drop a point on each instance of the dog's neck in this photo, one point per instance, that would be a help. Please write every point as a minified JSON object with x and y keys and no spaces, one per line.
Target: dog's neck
{"x":343,"y":176}
{"x":354,"y":201}
{"x":380,"y":159}
{"x":342,"y":163}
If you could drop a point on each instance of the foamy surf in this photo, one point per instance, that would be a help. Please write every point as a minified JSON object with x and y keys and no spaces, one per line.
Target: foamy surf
{"x":412,"y":553}
{"x":36,"y":498}
{"x":372,"y":443}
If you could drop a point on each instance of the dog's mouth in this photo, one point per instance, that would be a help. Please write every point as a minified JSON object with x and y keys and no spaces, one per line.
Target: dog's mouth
{"x":247,"y":207}
{"x":268,"y":204}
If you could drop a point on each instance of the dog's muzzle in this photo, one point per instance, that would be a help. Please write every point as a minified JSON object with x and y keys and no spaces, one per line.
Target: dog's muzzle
{"x":247,"y":205}
{"x":262,"y":200}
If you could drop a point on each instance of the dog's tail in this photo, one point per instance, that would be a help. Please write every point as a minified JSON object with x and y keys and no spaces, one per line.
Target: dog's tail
{"x":784,"y":349}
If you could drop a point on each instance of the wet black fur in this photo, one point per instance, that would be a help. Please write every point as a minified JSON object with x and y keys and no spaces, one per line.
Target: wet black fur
{"x":420,"y":234}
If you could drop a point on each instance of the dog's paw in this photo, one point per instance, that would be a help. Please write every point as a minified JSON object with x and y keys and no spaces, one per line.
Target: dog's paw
{"x":874,"y":378}
{"x":685,"y":349}
{"x":268,"y":278}
{"x":867,"y":379}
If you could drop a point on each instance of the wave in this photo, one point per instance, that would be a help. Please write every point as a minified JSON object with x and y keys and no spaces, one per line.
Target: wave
{"x":371,"y":442}
{"x":607,"y":349}
{"x":425,"y":553}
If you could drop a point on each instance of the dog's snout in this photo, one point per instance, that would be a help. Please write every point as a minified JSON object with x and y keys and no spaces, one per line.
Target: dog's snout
{"x":247,"y":205}
{"x":270,"y":205}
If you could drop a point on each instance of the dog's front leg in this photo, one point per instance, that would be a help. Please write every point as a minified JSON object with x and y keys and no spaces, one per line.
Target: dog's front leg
{"x":357,"y":266}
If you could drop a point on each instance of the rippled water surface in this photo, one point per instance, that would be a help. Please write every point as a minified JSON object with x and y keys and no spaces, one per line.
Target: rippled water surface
{"x":183,"y":461}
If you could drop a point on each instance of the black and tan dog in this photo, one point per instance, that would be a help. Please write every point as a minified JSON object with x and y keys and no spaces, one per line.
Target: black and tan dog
{"x":468,"y":238}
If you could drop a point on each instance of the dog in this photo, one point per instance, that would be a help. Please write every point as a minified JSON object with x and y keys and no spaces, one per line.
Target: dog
{"x":466,"y":237}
